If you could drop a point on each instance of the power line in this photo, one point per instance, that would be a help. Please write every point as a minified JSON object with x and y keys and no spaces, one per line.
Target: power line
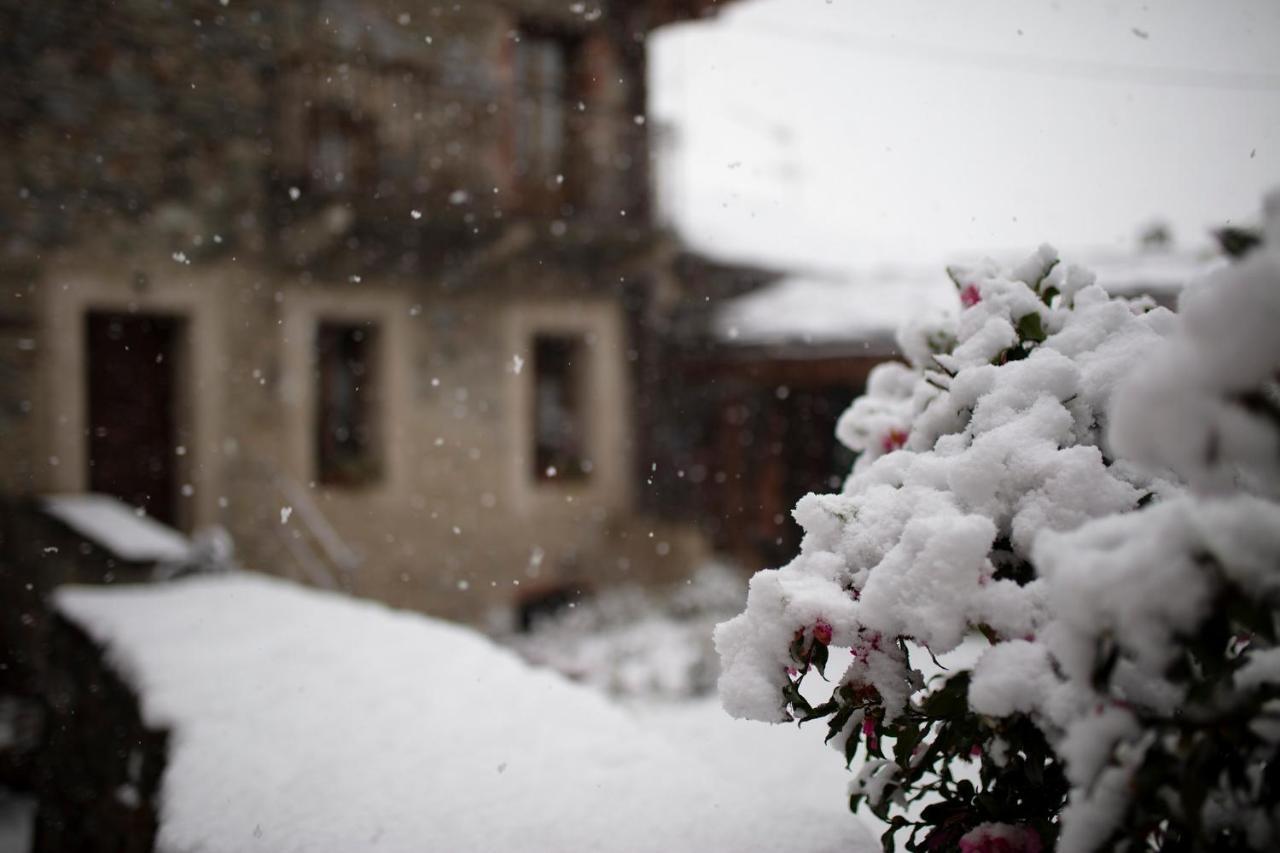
{"x":1074,"y":69}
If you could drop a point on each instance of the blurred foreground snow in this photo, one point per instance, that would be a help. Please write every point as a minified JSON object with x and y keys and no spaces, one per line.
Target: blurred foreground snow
{"x":308,"y":721}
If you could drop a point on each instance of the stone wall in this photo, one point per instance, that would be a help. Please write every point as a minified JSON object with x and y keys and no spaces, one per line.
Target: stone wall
{"x":157,"y":162}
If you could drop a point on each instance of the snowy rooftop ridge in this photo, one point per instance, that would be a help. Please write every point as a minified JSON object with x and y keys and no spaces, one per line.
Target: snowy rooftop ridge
{"x":304,"y":720}
{"x":854,"y":307}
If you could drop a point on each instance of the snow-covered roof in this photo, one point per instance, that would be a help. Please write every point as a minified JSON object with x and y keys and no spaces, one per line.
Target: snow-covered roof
{"x":830,"y":309}
{"x":119,"y":528}
{"x":1155,"y":273}
{"x":860,"y":306}
{"x":305,"y":720}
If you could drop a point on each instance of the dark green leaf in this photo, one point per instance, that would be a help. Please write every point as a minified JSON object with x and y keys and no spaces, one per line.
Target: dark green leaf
{"x":818,"y":657}
{"x":1030,"y":328}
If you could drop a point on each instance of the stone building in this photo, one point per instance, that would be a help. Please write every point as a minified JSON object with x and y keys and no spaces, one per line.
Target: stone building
{"x":375,"y":286}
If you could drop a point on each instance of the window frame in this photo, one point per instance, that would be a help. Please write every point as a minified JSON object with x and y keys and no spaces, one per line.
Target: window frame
{"x":94,"y":284}
{"x":606,"y":388}
{"x":303,"y":312}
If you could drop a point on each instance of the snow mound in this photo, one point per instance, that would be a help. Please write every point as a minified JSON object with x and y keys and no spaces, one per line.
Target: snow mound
{"x":303,"y":720}
{"x":119,"y":528}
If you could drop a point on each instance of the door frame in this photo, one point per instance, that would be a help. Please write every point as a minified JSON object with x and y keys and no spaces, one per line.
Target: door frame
{"x":69,"y":299}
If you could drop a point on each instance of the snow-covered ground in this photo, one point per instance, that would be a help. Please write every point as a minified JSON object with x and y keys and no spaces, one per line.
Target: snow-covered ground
{"x":304,"y":720}
{"x":640,"y":642}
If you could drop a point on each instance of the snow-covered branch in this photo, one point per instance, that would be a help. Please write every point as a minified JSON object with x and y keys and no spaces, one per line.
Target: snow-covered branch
{"x":1089,"y":482}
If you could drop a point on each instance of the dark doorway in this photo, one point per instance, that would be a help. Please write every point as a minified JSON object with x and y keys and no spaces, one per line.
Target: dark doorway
{"x":774,"y":445}
{"x":133,"y":449}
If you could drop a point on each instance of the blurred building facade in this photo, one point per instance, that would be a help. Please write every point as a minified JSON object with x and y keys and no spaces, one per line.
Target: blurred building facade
{"x":376,"y":287}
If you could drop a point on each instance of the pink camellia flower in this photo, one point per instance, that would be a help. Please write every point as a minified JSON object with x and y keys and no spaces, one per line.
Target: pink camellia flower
{"x":970,"y":296}
{"x":1001,"y":838}
{"x":893,"y":439}
{"x":865,"y":645}
{"x":822,"y":632}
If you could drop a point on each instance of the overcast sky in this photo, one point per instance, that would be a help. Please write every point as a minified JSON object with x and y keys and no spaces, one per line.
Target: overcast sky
{"x":840,"y":133}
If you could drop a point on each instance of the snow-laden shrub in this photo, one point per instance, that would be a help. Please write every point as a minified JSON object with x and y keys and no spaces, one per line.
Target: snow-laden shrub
{"x":638,"y":642}
{"x":1090,"y":483}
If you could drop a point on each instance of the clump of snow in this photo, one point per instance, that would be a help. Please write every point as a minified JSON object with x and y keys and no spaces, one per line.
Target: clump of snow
{"x":1199,"y":408}
{"x":992,"y":434}
{"x":1089,"y":481}
{"x":1111,"y":577}
{"x":1010,"y":678}
{"x":304,"y":720}
{"x":1200,"y":412}
{"x":118,"y":528}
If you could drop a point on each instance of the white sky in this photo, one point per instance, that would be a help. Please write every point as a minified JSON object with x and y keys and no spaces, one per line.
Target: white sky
{"x":858,"y":133}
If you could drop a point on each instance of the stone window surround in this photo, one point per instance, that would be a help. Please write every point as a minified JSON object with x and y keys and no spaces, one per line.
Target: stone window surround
{"x":607,"y":411}
{"x":70,"y":294}
{"x":303,"y":312}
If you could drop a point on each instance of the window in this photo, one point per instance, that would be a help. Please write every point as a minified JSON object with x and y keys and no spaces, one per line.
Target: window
{"x":339,"y":150}
{"x":559,"y":416}
{"x":542,"y":69}
{"x":347,"y":452}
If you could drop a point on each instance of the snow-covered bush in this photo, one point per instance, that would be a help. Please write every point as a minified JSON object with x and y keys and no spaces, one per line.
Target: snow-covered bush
{"x":1090,"y":483}
{"x":637,"y":642}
